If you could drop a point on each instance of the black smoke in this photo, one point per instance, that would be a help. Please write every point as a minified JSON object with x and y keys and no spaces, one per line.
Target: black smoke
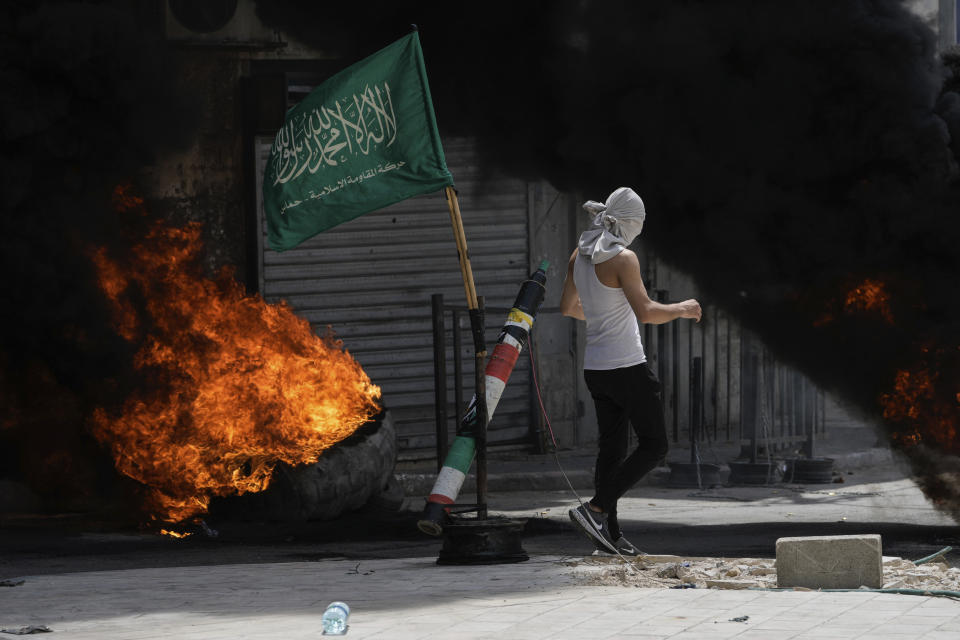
{"x":787,"y":152}
{"x":87,"y":102}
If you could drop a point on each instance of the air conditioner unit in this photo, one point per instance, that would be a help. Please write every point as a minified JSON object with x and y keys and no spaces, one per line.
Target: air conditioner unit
{"x":217,"y":22}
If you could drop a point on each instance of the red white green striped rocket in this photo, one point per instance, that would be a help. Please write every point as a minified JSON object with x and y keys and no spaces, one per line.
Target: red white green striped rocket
{"x":510,"y":343}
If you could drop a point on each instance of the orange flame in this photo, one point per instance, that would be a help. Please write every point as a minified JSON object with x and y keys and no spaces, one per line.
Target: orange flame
{"x":124,"y":199}
{"x":175,"y":534}
{"x":236,"y":385}
{"x":920,"y":406}
{"x":870,"y":295}
{"x":915,"y":405}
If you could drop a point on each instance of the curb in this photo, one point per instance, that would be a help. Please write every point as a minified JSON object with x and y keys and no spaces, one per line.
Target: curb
{"x":420,"y":484}
{"x":870,"y":458}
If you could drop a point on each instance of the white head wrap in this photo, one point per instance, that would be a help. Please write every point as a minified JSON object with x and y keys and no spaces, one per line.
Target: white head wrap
{"x":615,"y":225}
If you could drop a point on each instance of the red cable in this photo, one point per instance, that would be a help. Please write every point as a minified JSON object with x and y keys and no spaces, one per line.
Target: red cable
{"x":536,"y":385}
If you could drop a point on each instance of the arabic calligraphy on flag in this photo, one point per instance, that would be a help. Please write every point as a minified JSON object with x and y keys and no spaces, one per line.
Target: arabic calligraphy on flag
{"x":364,"y":139}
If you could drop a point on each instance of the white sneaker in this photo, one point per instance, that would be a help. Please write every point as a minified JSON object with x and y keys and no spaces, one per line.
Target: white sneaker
{"x":594,"y":525}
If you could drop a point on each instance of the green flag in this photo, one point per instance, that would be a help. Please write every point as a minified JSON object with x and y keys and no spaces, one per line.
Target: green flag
{"x":364,"y":139}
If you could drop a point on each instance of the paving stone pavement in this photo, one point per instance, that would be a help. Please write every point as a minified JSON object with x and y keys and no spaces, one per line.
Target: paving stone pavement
{"x":546,"y":597}
{"x":415,"y":598}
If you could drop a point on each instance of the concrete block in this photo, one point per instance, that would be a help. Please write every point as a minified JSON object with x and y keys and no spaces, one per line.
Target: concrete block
{"x":830,"y":562}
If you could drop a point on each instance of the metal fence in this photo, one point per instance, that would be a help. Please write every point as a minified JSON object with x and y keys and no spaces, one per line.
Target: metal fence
{"x":723,"y":385}
{"x":720,"y":385}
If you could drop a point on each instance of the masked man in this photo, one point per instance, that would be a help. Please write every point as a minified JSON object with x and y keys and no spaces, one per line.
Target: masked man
{"x":604,"y":287}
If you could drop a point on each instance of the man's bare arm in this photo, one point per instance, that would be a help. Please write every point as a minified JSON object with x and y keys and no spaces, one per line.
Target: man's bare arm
{"x":570,"y":299}
{"x":627,"y":268}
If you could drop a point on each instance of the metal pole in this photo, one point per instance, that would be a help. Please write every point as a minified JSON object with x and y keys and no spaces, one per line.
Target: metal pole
{"x":810,"y":417}
{"x":769,"y":373}
{"x":729,"y":374}
{"x":703,"y":381}
{"x":743,"y":365}
{"x":691,"y":388}
{"x":788,"y":415}
{"x":823,"y":412}
{"x":480,"y":381}
{"x":439,"y":376}
{"x":675,"y":377}
{"x":776,"y":424}
{"x":696,"y":385}
{"x":715,"y":388}
{"x":661,"y":348}
{"x":749,"y":366}
{"x":785,"y":378}
{"x":457,"y":363}
{"x":754,"y":400}
{"x":808,"y":445}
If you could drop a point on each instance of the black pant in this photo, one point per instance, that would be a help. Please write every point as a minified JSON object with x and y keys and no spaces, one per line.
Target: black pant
{"x":621,"y":395}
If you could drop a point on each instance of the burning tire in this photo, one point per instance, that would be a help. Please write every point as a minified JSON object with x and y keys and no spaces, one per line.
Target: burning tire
{"x":345,"y":478}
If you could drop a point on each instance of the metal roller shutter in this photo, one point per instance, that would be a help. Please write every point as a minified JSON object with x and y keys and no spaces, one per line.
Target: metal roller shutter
{"x":371,"y":280}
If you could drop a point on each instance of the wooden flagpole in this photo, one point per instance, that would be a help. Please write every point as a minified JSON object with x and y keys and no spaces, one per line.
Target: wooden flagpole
{"x":476,"y":324}
{"x":454,"y":205}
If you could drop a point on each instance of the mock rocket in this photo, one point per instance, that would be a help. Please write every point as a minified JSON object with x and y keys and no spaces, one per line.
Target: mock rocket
{"x":513,"y":336}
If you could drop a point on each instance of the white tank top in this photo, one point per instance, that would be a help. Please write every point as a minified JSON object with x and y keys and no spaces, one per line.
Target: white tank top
{"x":613,"y":335}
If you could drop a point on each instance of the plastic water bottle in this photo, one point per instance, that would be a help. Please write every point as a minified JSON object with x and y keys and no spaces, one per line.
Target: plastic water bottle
{"x":335,"y":619}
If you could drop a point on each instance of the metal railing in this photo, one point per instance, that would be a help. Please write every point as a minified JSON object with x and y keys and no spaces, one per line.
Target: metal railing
{"x":721,"y":384}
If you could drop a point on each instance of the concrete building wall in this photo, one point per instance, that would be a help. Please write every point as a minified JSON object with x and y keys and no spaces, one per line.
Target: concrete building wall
{"x":207,"y":182}
{"x":204,"y":183}
{"x":558,"y":359}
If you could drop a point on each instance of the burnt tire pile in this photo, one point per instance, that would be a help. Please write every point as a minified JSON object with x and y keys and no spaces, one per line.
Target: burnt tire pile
{"x":346,"y":477}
